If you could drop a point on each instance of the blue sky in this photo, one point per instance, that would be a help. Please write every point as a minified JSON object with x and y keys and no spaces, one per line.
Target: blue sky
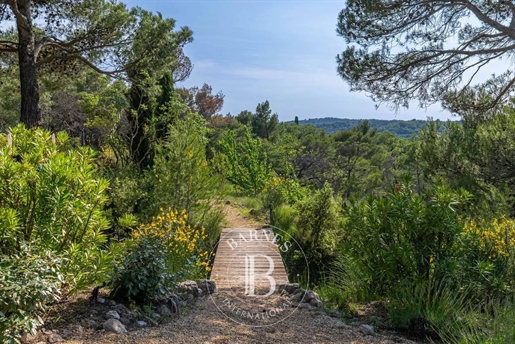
{"x":282,"y":51}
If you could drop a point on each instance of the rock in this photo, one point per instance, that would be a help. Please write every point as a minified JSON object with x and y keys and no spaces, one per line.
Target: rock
{"x":55,"y":338}
{"x":112,"y":315}
{"x":290,"y":288}
{"x":208,"y":287}
{"x":298,"y":296}
{"x":114,"y":325}
{"x":335,"y":314}
{"x":164,"y":310}
{"x":305,"y":305}
{"x":112,"y":303}
{"x":101,"y":300}
{"x":156,"y":316}
{"x":125,"y":321}
{"x":41,"y":343}
{"x":90,"y":323}
{"x":316,"y":303}
{"x":178,"y":301}
{"x":310,"y":295}
{"x":367,"y":329}
{"x":27,"y":338}
{"x":66,"y":333}
{"x":124,"y":311}
{"x":141,"y":323}
{"x":190,"y":288}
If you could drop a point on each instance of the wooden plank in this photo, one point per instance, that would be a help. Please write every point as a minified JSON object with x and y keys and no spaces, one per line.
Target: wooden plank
{"x":244,"y":251}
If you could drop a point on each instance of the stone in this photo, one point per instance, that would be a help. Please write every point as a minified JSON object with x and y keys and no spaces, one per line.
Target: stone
{"x":208,"y":287}
{"x":335,"y":314}
{"x":310,"y":295}
{"x":141,"y":323}
{"x":305,"y":305}
{"x":55,"y":338}
{"x":290,"y":288}
{"x":298,"y":296}
{"x":156,"y":316}
{"x":189,"y":287}
{"x":164,"y":310}
{"x":112,"y":315}
{"x":66,"y":333}
{"x":90,"y":323}
{"x":101,"y":300}
{"x":316,"y":303}
{"x":124,"y":311}
{"x":367,"y":329}
{"x":112,"y":303}
{"x":178,"y":301}
{"x":27,"y":338}
{"x":125,"y":321}
{"x":114,"y":325}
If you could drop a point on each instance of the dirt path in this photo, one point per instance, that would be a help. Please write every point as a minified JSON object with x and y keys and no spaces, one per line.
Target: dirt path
{"x":235,"y":219}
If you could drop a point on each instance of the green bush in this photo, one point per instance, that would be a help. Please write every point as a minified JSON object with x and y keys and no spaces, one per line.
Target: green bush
{"x":28,"y":282}
{"x":317,"y":232}
{"x":404,"y":238}
{"x":51,"y":199}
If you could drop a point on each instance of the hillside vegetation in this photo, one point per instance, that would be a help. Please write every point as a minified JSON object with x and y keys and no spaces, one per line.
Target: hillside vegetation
{"x":400,"y":128}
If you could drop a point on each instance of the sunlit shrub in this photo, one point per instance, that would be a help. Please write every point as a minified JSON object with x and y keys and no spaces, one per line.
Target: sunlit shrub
{"x":52,"y":199}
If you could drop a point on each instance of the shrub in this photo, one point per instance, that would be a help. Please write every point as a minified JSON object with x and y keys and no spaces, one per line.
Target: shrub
{"x":404,"y":238}
{"x":317,"y":232}
{"x":488,"y":249}
{"x":28,"y":282}
{"x":245,"y":164}
{"x":181,"y":176}
{"x":159,"y":254}
{"x":51,"y":199}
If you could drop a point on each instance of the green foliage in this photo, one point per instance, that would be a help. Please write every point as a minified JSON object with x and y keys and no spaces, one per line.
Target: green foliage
{"x":244,"y":163}
{"x":51,"y":198}
{"x":182,"y":178}
{"x":317,"y":232}
{"x":433,"y":54}
{"x":28,"y":281}
{"x":404,"y":238}
{"x":476,"y":156}
{"x":263,"y":122}
{"x":142,"y":274}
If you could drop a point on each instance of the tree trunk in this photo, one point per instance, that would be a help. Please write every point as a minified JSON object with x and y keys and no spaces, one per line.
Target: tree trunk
{"x":30,"y":112}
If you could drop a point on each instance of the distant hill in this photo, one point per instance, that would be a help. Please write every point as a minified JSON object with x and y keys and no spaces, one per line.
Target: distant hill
{"x":397,"y":127}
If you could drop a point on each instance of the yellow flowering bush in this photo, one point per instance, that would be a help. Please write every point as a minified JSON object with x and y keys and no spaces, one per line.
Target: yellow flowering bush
{"x":182,"y":242}
{"x":160,"y":253}
{"x":493,"y":238}
{"x":487,"y":249}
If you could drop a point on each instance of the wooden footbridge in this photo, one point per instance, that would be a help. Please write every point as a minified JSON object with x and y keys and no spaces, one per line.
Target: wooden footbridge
{"x":248,"y":257}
